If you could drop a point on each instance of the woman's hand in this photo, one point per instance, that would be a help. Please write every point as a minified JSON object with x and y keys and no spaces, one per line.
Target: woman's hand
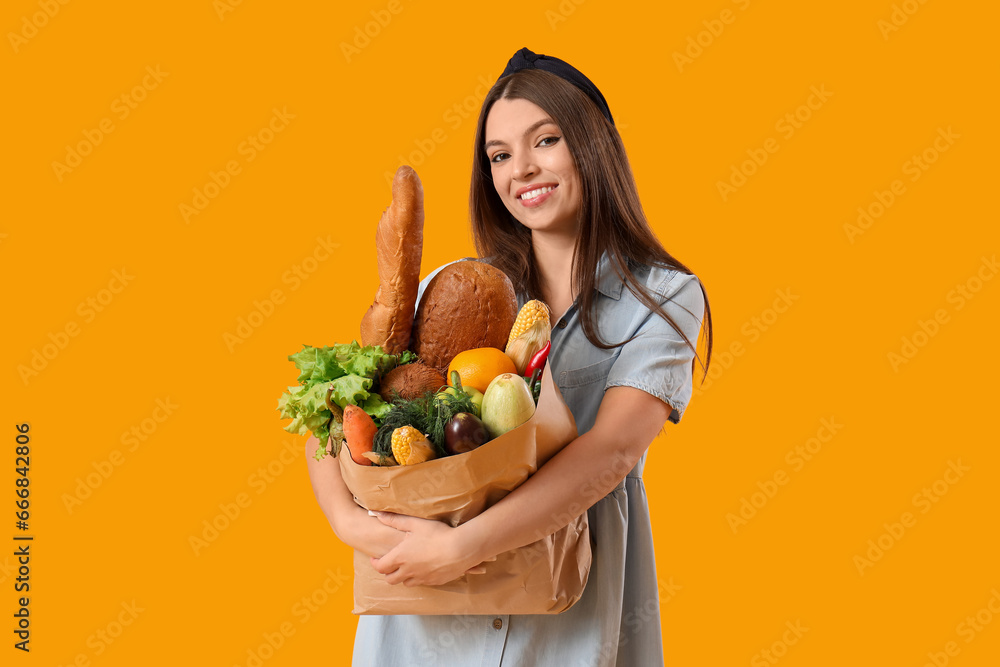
{"x":369,"y":535}
{"x":431,"y":553}
{"x":351,"y":523}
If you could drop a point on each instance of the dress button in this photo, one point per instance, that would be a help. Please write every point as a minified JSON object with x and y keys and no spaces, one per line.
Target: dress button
{"x":562,"y":324}
{"x":497,"y":623}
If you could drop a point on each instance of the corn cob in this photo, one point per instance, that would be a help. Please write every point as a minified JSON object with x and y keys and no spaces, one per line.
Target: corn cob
{"x":530,"y":313}
{"x":530,"y":333}
{"x":409,"y":446}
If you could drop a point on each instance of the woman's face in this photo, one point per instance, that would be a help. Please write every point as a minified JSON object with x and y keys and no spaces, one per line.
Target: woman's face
{"x":533,"y":171}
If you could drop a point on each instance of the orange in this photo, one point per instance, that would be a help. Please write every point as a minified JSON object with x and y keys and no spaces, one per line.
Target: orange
{"x":478,"y":367}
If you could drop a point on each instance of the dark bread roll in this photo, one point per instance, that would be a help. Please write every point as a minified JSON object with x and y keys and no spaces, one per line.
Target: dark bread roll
{"x":466,"y":305}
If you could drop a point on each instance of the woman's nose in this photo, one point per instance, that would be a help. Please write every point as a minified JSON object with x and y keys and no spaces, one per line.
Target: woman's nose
{"x":524,"y":166}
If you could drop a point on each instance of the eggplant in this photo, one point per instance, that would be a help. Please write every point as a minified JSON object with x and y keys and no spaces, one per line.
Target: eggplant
{"x":464,"y":432}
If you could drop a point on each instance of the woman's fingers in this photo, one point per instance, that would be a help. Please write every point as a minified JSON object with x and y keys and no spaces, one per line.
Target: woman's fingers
{"x":397,"y":521}
{"x":427,"y":554}
{"x":384,"y":565}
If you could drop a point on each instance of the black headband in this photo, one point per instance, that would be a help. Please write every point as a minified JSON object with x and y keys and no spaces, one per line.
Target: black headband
{"x":525,"y":59}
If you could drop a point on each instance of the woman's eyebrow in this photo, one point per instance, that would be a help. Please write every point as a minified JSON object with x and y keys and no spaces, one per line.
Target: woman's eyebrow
{"x":534,"y":126}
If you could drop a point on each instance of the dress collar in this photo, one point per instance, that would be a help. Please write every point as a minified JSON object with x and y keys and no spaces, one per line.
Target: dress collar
{"x":608,"y":282}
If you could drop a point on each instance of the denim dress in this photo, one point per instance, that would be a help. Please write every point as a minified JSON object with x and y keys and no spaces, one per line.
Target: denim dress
{"x":617,"y":620}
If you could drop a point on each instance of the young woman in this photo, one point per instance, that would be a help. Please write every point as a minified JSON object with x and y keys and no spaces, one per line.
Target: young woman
{"x":554,"y":205}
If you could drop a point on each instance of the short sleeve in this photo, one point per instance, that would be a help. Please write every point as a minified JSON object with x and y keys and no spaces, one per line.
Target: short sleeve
{"x":657,"y":360}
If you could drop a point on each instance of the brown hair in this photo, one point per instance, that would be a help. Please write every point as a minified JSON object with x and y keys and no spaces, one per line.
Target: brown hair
{"x":612,"y":217}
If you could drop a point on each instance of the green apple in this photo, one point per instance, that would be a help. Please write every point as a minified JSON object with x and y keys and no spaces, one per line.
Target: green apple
{"x":471,"y":392}
{"x":477,"y":398}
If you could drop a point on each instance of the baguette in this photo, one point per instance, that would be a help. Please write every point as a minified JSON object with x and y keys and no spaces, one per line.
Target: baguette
{"x":398,"y":244}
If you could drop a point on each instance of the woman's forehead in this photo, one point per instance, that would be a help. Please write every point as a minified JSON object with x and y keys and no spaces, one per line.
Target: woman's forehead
{"x":511,"y":116}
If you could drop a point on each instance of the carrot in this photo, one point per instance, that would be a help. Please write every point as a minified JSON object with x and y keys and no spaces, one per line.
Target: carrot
{"x":359,"y":431}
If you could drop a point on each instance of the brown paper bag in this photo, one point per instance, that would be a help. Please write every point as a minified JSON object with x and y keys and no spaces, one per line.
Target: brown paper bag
{"x":545,"y":577}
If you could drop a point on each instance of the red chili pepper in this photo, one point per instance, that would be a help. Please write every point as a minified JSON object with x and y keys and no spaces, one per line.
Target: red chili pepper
{"x":537,"y":360}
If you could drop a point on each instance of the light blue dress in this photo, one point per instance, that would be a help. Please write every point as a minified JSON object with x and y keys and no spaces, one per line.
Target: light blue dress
{"x":617,"y":620}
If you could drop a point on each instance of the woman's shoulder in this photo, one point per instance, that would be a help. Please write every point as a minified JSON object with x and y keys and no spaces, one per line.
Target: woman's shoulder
{"x":677,"y":292}
{"x":657,"y":280}
{"x":667,"y":283}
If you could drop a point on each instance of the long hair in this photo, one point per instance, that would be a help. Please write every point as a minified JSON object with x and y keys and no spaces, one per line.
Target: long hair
{"x":611,"y":214}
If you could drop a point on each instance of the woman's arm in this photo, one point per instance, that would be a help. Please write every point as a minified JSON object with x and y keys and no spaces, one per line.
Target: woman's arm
{"x":583,"y":472}
{"x":350,"y":522}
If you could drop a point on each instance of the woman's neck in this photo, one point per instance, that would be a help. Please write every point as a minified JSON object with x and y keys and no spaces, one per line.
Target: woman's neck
{"x":554,"y":260}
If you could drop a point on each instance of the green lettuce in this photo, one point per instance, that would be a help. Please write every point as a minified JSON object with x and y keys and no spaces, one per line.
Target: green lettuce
{"x":347,"y":374}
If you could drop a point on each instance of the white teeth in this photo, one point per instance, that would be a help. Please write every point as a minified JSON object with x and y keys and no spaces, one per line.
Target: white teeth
{"x":535,"y":193}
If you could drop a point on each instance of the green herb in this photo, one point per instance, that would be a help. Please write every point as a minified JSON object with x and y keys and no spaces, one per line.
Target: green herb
{"x":429,"y":414}
{"x":535,"y":384}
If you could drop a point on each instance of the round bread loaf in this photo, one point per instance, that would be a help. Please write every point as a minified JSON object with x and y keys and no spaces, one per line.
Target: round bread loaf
{"x":468,"y":304}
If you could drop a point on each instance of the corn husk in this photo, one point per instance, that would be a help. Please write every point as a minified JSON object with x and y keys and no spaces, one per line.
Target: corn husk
{"x":522,"y":348}
{"x":420,"y":451}
{"x":379,"y":460}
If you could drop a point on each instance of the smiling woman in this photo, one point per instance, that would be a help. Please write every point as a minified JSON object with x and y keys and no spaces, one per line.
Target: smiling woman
{"x":532,"y":168}
{"x":553,"y":204}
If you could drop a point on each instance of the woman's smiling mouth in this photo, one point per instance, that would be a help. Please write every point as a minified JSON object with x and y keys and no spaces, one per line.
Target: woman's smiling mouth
{"x":536,"y":195}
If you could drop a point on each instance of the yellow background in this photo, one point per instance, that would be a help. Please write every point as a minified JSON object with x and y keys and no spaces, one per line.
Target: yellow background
{"x":356,"y":115}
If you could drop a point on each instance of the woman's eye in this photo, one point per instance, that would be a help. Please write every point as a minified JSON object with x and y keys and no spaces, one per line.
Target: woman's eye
{"x":497,"y":157}
{"x":552,"y":139}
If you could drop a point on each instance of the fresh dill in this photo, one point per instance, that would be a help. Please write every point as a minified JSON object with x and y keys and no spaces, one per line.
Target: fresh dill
{"x":429,"y":414}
